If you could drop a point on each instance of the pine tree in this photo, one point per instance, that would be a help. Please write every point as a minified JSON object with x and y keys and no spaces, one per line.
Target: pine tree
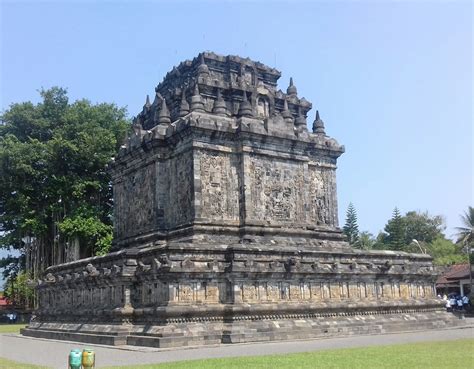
{"x":351,"y":229}
{"x":396,"y":231}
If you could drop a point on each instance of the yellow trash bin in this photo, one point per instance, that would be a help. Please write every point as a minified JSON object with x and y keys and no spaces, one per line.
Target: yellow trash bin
{"x":88,"y":359}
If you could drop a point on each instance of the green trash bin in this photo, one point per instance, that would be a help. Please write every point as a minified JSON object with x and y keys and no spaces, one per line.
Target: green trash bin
{"x":88,"y":359}
{"x":75,"y":359}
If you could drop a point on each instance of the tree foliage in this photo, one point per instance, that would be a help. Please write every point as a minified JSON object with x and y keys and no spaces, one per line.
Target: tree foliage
{"x":351,"y":229}
{"x":416,"y":232}
{"x":366,"y":241}
{"x":18,"y":291}
{"x":445,"y":252}
{"x":419,"y":232}
{"x":396,"y":231}
{"x":53,"y":179}
{"x":465,"y":233}
{"x":422,"y":227}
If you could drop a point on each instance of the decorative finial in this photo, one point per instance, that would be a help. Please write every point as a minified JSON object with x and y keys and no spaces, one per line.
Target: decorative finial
{"x":197,"y":103}
{"x":300,"y":121}
{"x":147,"y":102}
{"x":318,"y":125}
{"x":202,"y":69}
{"x":291,"y":90}
{"x":220,"y":107}
{"x":286,"y":113}
{"x":184,"y":107}
{"x":245,"y":109}
{"x":164,"y":117}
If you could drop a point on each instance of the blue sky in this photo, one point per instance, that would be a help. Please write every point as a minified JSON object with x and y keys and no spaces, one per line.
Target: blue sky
{"x":392,"y":81}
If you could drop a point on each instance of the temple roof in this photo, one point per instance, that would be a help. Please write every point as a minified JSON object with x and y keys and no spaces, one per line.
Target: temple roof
{"x":230,"y":94}
{"x":230,"y":75}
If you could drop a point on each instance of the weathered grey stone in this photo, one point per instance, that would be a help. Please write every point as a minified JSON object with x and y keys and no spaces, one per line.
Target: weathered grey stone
{"x":226,"y":229}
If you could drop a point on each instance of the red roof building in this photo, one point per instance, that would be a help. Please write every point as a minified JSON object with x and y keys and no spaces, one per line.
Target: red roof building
{"x":454,"y":279}
{"x":4,"y":303}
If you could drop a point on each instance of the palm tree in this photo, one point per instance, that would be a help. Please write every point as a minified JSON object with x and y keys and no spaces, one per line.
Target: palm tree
{"x":466,"y":232}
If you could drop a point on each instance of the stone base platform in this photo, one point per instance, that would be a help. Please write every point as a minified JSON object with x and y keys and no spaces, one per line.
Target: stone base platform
{"x":191,"y":295}
{"x":180,"y":332}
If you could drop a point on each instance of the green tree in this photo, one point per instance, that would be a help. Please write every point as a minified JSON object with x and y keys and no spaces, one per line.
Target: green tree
{"x":445,"y":252}
{"x":351,"y":229}
{"x":422,"y":227}
{"x":395,"y":230}
{"x":465,"y":234}
{"x":420,"y":233}
{"x":54,"y":188}
{"x":366,"y":241}
{"x":18,"y":291}
{"x":380,"y":242}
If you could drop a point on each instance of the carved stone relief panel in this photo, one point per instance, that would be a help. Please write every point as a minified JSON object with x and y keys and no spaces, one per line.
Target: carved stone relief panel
{"x":219,"y":186}
{"x":273,"y":291}
{"x":429,"y":291}
{"x":212,"y":292}
{"x":344,"y":289}
{"x":179,"y":210}
{"x":371,"y":290}
{"x":420,"y":291}
{"x":326,"y":291}
{"x":295,"y":292}
{"x":200,"y":291}
{"x":276,"y":190}
{"x":284,"y":291}
{"x":335,"y":290}
{"x":322,"y":196}
{"x":134,"y":202}
{"x":185,"y":292}
{"x":396,"y":290}
{"x":262,"y":291}
{"x":354,"y":291}
{"x":305,"y":291}
{"x":249,"y":293}
{"x":316,"y":291}
{"x":404,"y":291}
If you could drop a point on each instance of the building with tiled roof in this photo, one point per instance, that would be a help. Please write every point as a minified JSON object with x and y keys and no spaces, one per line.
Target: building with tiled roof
{"x":454,"y":280}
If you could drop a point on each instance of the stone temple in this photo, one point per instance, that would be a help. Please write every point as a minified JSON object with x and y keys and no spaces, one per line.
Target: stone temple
{"x":226,"y":229}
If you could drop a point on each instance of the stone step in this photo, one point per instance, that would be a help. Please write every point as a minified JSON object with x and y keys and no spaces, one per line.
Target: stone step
{"x":175,"y":341}
{"x":95,"y":338}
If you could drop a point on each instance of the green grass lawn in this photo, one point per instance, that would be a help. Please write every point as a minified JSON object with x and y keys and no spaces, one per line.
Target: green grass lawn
{"x":11,"y":328}
{"x":430,"y":355}
{"x":427,"y":355}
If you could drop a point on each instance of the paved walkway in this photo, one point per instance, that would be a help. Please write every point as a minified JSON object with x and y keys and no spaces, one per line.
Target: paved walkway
{"x":54,"y":353}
